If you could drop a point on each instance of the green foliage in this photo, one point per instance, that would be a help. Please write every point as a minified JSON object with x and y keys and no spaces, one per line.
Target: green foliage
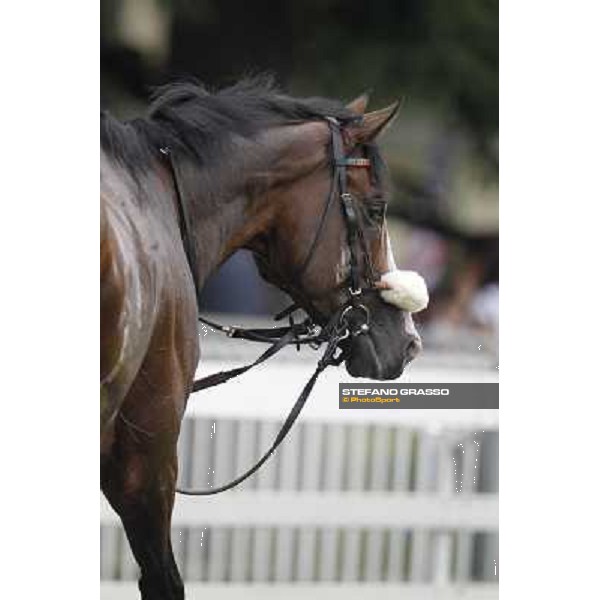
{"x":443,"y":53}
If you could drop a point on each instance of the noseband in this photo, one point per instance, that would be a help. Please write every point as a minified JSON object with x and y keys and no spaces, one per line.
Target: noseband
{"x":340,"y":326}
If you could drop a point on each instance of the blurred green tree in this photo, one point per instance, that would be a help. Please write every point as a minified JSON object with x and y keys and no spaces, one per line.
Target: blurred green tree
{"x":445,"y":53}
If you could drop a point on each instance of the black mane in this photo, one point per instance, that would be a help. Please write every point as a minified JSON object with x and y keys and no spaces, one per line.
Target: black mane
{"x":192,"y":121}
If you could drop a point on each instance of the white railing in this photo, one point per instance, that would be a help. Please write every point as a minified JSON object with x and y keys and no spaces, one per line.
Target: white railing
{"x":369,"y":502}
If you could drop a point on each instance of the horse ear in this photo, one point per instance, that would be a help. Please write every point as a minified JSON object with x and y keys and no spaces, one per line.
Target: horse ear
{"x":359,"y":105}
{"x":374,"y":123}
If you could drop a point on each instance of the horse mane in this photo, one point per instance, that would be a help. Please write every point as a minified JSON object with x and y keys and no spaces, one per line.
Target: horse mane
{"x":201,"y":125}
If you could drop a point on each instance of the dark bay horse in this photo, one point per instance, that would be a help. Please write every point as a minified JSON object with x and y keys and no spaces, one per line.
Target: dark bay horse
{"x":254,"y":170}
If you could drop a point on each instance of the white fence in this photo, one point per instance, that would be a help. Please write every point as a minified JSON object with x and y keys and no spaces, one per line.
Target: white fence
{"x":356,"y":502}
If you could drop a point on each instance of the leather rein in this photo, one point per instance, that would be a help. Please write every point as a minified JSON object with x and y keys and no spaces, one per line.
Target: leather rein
{"x":338,"y":327}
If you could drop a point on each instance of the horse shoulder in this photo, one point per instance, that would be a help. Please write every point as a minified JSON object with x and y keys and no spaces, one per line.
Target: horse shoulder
{"x":149,"y":336}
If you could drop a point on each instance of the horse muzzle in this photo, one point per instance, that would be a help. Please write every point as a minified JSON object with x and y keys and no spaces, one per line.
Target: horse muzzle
{"x":382,"y":346}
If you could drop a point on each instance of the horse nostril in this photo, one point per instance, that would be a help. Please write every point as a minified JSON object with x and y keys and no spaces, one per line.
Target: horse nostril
{"x":413,"y":348}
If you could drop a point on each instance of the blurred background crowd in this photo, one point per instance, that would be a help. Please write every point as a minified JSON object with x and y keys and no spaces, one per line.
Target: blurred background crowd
{"x":442,"y":152}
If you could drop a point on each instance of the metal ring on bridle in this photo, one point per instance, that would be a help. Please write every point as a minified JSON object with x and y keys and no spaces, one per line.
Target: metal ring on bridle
{"x":364,"y":327}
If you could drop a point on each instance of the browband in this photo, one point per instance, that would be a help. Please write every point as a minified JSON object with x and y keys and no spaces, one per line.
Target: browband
{"x":354,"y":162}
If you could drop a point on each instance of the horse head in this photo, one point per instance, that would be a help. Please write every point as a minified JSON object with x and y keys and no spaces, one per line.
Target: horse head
{"x":306,"y":247}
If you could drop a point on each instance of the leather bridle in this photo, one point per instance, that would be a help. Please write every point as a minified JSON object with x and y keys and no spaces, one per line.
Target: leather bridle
{"x":350,"y":320}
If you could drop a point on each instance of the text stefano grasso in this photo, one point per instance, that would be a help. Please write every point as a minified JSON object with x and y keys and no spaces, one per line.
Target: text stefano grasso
{"x":396,"y":391}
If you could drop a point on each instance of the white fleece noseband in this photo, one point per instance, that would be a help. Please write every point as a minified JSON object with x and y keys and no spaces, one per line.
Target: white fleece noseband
{"x":406,"y":290}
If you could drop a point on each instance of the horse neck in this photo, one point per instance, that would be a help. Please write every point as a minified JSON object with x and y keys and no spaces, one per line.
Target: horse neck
{"x":232,"y":203}
{"x":218,"y":216}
